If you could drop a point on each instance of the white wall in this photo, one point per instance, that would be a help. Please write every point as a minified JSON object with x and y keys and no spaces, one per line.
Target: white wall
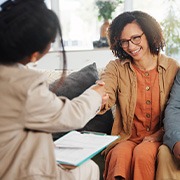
{"x":76,"y":59}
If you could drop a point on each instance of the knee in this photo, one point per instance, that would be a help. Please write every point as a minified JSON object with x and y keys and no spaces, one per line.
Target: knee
{"x":163,"y":149}
{"x":119,"y":150}
{"x":141,"y":154}
{"x":164,"y":153}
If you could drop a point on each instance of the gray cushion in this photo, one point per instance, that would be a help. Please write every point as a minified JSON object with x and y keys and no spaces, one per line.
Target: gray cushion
{"x":77,"y":82}
{"x":74,"y":85}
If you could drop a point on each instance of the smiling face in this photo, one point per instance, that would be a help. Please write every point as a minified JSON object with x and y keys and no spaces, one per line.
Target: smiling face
{"x":137,"y":47}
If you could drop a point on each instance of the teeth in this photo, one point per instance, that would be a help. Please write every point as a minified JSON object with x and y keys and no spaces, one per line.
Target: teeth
{"x":134,"y":52}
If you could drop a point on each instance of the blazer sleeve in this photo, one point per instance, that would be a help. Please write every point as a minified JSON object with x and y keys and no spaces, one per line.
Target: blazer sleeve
{"x":172,"y":115}
{"x":44,"y":111}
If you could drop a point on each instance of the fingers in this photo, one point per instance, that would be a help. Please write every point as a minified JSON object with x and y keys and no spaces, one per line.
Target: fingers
{"x":105,"y":99}
{"x":100,"y":83}
{"x":148,"y":139}
{"x":100,"y":88}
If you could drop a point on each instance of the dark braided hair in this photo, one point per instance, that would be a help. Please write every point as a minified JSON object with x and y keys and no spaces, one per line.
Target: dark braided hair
{"x":147,"y":23}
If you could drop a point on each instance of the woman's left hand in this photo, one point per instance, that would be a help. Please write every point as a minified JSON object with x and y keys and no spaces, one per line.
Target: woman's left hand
{"x":156,"y":137}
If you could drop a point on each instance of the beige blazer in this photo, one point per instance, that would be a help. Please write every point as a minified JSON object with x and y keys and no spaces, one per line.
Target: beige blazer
{"x":29,"y":112}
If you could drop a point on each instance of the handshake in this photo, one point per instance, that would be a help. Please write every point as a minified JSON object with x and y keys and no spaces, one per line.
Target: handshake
{"x":99,"y":87}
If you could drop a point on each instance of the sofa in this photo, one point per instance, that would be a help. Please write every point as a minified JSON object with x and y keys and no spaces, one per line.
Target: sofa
{"x":74,"y":84}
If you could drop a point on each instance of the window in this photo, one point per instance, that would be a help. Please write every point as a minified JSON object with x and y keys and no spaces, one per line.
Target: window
{"x":80,"y":25}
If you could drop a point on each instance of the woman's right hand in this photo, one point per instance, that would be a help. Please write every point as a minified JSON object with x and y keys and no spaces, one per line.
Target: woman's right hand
{"x":99,"y":88}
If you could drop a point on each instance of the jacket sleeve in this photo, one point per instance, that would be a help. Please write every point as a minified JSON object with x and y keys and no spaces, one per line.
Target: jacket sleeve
{"x":172,"y":115}
{"x":109,"y":76}
{"x":44,"y":111}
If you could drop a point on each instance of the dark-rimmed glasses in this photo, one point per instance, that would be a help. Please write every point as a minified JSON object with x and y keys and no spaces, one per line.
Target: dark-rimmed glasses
{"x":124,"y":43}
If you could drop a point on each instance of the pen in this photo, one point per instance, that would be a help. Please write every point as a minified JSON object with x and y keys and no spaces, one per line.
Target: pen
{"x":68,"y":147}
{"x":92,"y":132}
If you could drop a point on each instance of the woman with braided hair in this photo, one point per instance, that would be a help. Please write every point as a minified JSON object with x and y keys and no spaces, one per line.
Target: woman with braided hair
{"x":138,"y":82}
{"x":29,"y":112}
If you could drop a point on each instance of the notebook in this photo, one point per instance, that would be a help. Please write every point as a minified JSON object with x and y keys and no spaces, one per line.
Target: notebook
{"x":75,"y":147}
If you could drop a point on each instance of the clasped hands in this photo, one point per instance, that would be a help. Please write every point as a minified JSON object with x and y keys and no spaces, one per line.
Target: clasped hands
{"x":99,"y":87}
{"x":156,"y":137}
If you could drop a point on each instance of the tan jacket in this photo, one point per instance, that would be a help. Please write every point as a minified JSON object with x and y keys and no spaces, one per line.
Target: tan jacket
{"x":29,"y":112}
{"x":121,"y":85}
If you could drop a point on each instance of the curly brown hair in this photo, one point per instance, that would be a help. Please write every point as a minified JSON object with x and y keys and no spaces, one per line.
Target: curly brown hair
{"x":147,"y":23}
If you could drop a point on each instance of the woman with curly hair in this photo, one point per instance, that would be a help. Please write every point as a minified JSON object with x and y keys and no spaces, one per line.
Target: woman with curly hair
{"x":138,"y":83}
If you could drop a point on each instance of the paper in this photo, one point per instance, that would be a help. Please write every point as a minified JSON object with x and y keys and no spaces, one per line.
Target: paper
{"x":75,"y":148}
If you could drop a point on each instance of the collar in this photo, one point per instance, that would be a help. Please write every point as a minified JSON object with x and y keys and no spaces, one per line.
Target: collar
{"x":163,"y":61}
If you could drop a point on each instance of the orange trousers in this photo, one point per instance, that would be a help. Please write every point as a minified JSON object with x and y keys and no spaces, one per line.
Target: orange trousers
{"x":132,"y":161}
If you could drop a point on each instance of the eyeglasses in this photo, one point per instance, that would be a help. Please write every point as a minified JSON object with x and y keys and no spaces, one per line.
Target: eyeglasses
{"x":124,"y":43}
